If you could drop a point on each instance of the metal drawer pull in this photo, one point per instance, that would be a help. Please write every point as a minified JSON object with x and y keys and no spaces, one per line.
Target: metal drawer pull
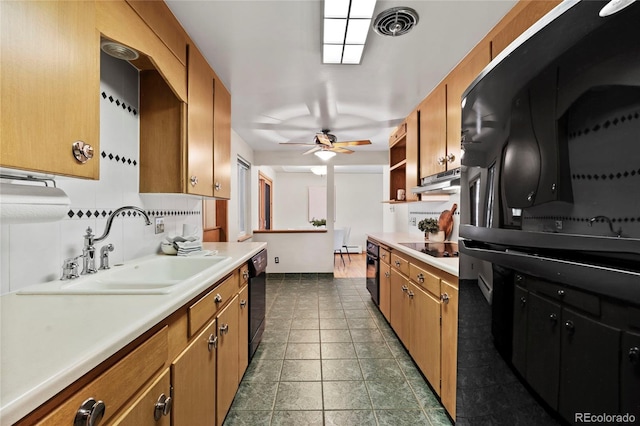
{"x":243,"y":303}
{"x":224,"y":328}
{"x":218,"y":298}
{"x":634,"y":355}
{"x":162,"y":407}
{"x":410,"y":294}
{"x":245,"y":275}
{"x":420,"y":278}
{"x":523,"y":301}
{"x":561,"y":293}
{"x":553,"y":318}
{"x":218,"y":186}
{"x":445,"y":298}
{"x":383,"y":255}
{"x":569,"y":326}
{"x":386,"y":274}
{"x":193,"y":180}
{"x":397,"y":263}
{"x":212,"y":342}
{"x":90,"y":413}
{"x":404,"y":288}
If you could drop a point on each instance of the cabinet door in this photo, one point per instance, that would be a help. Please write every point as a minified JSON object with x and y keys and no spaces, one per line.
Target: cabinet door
{"x":424,"y":343}
{"x":399,"y":306}
{"x":243,"y":331}
{"x":457,"y":82}
{"x":193,"y":376}
{"x":519,"y":346}
{"x":385,"y":290}
{"x":433,"y":132}
{"x":630,"y":374}
{"x":50,"y":85}
{"x":449,"y":313}
{"x":227,"y":363}
{"x":222,"y":142}
{"x":543,"y":347}
{"x":200,"y":125}
{"x":142,"y":411}
{"x":589,"y":366}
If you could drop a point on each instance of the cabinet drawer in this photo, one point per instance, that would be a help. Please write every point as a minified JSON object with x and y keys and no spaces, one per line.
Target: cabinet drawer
{"x":569,"y":296}
{"x":118,"y":384}
{"x":400,"y":263}
{"x":204,"y":309}
{"x":142,"y":411}
{"x":385,"y":256}
{"x":425,"y":279}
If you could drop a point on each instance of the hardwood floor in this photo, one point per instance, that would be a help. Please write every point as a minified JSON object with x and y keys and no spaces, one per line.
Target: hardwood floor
{"x":357,"y":268}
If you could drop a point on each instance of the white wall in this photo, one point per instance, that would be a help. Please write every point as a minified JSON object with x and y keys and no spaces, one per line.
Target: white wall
{"x":33,"y":253}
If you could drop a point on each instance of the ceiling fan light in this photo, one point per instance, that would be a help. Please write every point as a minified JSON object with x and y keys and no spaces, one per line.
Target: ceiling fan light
{"x":325,"y":155}
{"x":352,"y":53}
{"x":334,"y":31}
{"x":319,"y":170}
{"x":357,"y":31}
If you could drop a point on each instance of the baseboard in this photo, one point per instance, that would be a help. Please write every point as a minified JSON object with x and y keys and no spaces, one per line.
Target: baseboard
{"x":352,"y":249}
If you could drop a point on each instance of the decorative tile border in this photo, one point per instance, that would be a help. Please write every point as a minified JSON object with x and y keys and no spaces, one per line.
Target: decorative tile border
{"x":611,"y":176}
{"x":582,"y":219}
{"x":119,"y":103}
{"x":81,"y":213}
{"x":118,"y":159}
{"x":604,"y":126}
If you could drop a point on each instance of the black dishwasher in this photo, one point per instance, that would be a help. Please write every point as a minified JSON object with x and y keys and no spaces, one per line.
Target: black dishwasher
{"x":373,"y":271}
{"x":257,"y":299}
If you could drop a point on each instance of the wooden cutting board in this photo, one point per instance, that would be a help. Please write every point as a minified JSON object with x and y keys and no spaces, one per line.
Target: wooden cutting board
{"x":445,"y":221}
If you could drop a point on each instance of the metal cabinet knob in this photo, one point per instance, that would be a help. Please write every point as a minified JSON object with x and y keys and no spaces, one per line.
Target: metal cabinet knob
{"x":531,"y":196}
{"x":193,"y":180}
{"x":90,"y":413}
{"x":420,"y":278}
{"x":218,"y":298}
{"x":245,"y":275}
{"x":445,"y":298}
{"x":634,"y":355}
{"x":386,"y":274}
{"x":441,"y":161}
{"x":162,"y":407}
{"x":523,"y":301}
{"x":561,"y":293}
{"x":384,"y":256}
{"x":451,"y":158}
{"x":212,"y":342}
{"x":569,"y":326}
{"x":410,"y":293}
{"x":82,"y":151}
{"x":218,"y":186}
{"x":404,"y":288}
{"x":397,"y":262}
{"x":224,"y":328}
{"x":553,"y":318}
{"x":519,"y":278}
{"x":243,"y":303}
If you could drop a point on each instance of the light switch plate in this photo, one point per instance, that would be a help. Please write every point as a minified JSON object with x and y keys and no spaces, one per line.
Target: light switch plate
{"x":159,"y":225}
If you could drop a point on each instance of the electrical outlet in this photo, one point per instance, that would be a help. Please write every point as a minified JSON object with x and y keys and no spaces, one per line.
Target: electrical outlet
{"x":159,"y":225}
{"x":276,"y":259}
{"x":413,"y":221}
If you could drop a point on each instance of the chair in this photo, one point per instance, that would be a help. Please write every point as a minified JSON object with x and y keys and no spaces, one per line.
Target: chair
{"x":345,"y":240}
{"x":338,"y":241}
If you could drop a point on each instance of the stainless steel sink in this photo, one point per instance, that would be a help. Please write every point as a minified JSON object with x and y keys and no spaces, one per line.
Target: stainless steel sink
{"x":154,"y":275}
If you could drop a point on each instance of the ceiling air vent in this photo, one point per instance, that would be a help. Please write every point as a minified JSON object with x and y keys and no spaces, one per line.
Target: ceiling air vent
{"x":395,"y":21}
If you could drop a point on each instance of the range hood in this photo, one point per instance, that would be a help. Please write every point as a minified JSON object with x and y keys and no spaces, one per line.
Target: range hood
{"x":447,"y":182}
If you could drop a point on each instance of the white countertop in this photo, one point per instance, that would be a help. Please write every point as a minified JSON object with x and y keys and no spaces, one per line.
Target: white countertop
{"x":49,"y":341}
{"x":393,"y":240}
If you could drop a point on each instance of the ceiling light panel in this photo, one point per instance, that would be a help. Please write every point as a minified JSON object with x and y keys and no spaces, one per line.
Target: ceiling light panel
{"x":362,"y":8}
{"x":334,"y":31}
{"x":357,"y":31}
{"x":336,"y":8}
{"x":352,"y":53}
{"x":332,"y":53}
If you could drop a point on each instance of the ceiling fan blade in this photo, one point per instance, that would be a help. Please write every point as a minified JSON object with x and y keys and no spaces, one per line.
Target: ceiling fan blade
{"x":340,"y":150}
{"x":314,"y":149}
{"x":323,"y":139}
{"x":353,"y":143}
{"x":297,"y":144}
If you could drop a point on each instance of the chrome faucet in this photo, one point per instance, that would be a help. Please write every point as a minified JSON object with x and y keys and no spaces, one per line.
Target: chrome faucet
{"x":89,"y":251}
{"x":618,"y":233}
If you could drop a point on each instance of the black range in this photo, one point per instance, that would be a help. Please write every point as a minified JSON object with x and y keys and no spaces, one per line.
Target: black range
{"x":434,"y":249}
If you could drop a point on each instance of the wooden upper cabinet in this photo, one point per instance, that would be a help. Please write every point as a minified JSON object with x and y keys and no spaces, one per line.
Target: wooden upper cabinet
{"x":200,"y":125}
{"x":221,"y":141}
{"x":518,"y":20}
{"x":412,"y":179}
{"x":457,"y":82}
{"x":433,"y":131}
{"x":49,"y":86}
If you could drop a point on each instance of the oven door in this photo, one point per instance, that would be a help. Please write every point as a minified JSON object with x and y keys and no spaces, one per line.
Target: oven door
{"x":373,"y":277}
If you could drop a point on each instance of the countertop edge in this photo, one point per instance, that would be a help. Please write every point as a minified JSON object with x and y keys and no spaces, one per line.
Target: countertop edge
{"x":24,"y":402}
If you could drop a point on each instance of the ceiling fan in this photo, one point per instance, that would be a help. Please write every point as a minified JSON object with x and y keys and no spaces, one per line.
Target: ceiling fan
{"x":325,"y":141}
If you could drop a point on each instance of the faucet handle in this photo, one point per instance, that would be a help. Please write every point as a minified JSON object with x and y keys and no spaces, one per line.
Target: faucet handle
{"x":70,"y":269}
{"x":104,"y":256}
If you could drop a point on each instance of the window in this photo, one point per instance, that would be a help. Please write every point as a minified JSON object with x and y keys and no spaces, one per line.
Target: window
{"x":244,"y":189}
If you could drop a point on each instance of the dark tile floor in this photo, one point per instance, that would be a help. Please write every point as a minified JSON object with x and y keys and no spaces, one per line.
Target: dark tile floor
{"x":328,"y":357}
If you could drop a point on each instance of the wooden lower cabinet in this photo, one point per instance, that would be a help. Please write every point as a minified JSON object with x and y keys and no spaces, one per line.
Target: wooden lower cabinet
{"x":399,"y":305}
{"x":243,"y":337}
{"x":143,"y":411}
{"x":227,"y":363}
{"x":385,"y":290}
{"x":424,"y":320}
{"x":193,"y":375}
{"x":449,"y":353}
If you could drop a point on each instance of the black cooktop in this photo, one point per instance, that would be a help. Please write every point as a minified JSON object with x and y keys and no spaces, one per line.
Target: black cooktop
{"x":435,"y":249}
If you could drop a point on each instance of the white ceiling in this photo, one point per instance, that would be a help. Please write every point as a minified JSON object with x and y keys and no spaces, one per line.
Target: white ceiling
{"x":268,"y":54}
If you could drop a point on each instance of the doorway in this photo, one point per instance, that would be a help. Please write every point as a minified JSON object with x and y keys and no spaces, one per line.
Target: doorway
{"x":265,"y":215}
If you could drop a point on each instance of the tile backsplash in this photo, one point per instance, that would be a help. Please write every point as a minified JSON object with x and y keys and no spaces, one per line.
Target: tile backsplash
{"x":33,"y":253}
{"x":433,"y":209}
